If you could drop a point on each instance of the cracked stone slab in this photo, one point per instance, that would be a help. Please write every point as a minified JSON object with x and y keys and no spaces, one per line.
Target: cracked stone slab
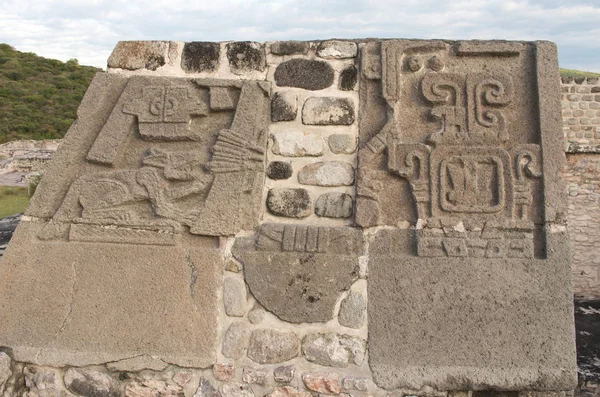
{"x":51,"y":308}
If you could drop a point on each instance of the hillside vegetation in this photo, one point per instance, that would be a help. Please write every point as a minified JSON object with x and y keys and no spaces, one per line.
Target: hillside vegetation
{"x":577,"y":73}
{"x":39,"y":96}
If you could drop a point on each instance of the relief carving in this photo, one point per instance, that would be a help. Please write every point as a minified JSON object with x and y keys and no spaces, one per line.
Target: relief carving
{"x":213,"y":189}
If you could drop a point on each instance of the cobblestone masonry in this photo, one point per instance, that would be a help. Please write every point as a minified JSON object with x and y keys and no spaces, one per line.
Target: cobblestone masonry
{"x":270,"y":289}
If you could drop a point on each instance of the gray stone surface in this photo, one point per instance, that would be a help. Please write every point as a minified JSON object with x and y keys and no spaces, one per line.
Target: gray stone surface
{"x":279,"y":170}
{"x":480,"y":295}
{"x":334,"y":205}
{"x":200,"y":56}
{"x":290,"y":47}
{"x":328,"y":111}
{"x":91,"y":383}
{"x":334,"y":350}
{"x":235,"y":298}
{"x":327,"y":173}
{"x":253,"y":375}
{"x":235,"y":341}
{"x":271,"y":347}
{"x":309,"y":265}
{"x":342,"y":143}
{"x":337,"y":49}
{"x":133,"y":55}
{"x":353,"y":310}
{"x":355,"y":383}
{"x":297,"y":144}
{"x":287,"y":391}
{"x":303,"y":73}
{"x":78,"y":282}
{"x":284,"y":106}
{"x":256,"y":314}
{"x":246,"y":56}
{"x":206,"y":389}
{"x":291,"y":203}
{"x":284,"y":373}
{"x":348,"y":78}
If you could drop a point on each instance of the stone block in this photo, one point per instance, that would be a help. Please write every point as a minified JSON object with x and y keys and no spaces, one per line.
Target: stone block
{"x":311,"y":265}
{"x":253,"y":375}
{"x":284,"y":106}
{"x":234,"y":296}
{"x":236,"y":389}
{"x":89,"y":382}
{"x":322,"y":382}
{"x":246,"y":56}
{"x":284,"y":373}
{"x":271,"y":347}
{"x":235,"y":341}
{"x":287,"y":391}
{"x":290,"y":47}
{"x":334,"y":350}
{"x":478,"y":255}
{"x":133,"y":55}
{"x":304,"y":73}
{"x":353,"y":310}
{"x":334,"y":205}
{"x":223,"y":371}
{"x":278,"y":170}
{"x":342,"y":143}
{"x":337,"y":49}
{"x":348,"y":78}
{"x":200,"y":56}
{"x":328,"y":173}
{"x":297,"y":144}
{"x":328,"y":111}
{"x":288,"y":202}
{"x":205,"y":389}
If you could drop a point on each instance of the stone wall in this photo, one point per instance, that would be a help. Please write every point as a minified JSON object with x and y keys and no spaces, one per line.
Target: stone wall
{"x":241,"y":219}
{"x":581,"y":125}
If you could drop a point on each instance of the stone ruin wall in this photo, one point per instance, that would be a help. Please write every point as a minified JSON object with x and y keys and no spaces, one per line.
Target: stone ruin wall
{"x":311,"y":269}
{"x":581,"y":125}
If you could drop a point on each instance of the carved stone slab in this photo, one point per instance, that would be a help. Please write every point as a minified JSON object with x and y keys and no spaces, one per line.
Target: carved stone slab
{"x":125,"y":225}
{"x":461,"y":152}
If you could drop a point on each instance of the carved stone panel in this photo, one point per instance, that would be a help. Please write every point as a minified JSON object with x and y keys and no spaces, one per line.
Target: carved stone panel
{"x":126,"y":223}
{"x":465,"y":142}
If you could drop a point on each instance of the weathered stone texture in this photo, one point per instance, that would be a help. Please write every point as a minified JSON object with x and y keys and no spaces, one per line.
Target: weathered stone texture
{"x":334,"y":205}
{"x":310,"y":265}
{"x":91,"y":383}
{"x":236,"y":340}
{"x":133,"y":55}
{"x":353,"y":310}
{"x":348,"y":78}
{"x":234,"y":296}
{"x":303,"y":73}
{"x":253,"y":375}
{"x":337,"y":49}
{"x":271,"y":347}
{"x":236,"y":389}
{"x":246,"y":56}
{"x":278,"y":170}
{"x":206,"y":389}
{"x":284,"y":373}
{"x":5,"y":369}
{"x":284,"y":106}
{"x":582,"y":177}
{"x":322,"y":382}
{"x":328,"y":111}
{"x":330,"y":173}
{"x":297,"y":144}
{"x":581,"y":115}
{"x":287,"y":391}
{"x":334,"y":350}
{"x":223,"y":371}
{"x":200,"y":56}
{"x":290,"y":47}
{"x":342,"y":143}
{"x":291,"y":203}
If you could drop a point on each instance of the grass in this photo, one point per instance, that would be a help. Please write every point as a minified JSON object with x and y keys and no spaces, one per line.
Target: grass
{"x":13,"y":200}
{"x":577,"y":73}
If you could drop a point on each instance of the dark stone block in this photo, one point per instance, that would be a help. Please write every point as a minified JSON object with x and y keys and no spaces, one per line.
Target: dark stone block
{"x":246,"y":56}
{"x":200,"y":56}
{"x":348,"y":78}
{"x":283,"y":106}
{"x":304,"y":73}
{"x":579,"y":80}
{"x":279,"y":170}
{"x":595,"y":89}
{"x":290,"y":47}
{"x":291,"y":203}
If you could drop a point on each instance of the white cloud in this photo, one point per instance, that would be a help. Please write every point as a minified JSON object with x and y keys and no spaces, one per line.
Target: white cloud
{"x":89,"y":29}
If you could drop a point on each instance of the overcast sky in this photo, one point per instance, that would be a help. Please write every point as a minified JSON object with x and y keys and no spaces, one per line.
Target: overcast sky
{"x":89,"y":29}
